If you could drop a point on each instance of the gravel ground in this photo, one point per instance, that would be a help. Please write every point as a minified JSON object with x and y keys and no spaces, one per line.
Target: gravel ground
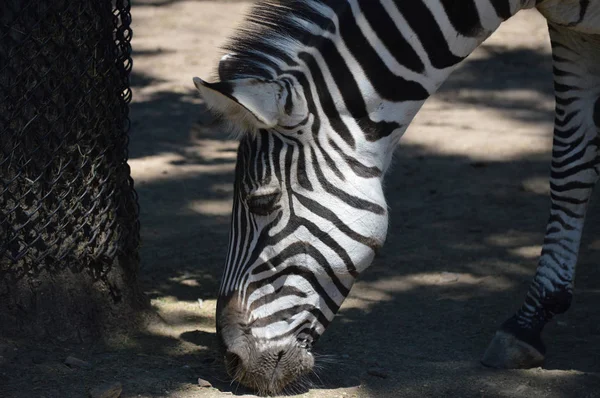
{"x":468,"y":199}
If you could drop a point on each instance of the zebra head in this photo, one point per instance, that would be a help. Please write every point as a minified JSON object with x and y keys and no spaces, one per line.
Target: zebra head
{"x":308,"y":215}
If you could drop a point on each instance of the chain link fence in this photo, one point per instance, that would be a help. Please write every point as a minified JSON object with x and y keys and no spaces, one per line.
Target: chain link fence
{"x":66,"y":195}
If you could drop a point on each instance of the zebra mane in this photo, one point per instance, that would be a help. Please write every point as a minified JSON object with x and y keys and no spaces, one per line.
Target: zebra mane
{"x":272,"y":30}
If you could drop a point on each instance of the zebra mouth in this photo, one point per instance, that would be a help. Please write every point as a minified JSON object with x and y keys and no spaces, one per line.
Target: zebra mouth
{"x":270,"y":370}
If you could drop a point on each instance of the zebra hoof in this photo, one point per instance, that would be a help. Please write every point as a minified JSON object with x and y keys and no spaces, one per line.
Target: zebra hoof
{"x":506,"y":351}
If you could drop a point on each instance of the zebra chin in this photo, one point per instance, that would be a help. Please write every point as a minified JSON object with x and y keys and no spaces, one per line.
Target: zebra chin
{"x":264,"y":365}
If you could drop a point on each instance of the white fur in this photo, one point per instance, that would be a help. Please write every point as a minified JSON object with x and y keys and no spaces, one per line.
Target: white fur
{"x":256,"y":105}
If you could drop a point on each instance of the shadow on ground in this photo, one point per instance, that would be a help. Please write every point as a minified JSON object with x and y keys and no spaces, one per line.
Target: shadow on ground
{"x":449,"y":214}
{"x":457,"y":260}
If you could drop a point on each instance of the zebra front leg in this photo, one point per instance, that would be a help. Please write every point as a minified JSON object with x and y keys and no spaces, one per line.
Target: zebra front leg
{"x":574,"y":172}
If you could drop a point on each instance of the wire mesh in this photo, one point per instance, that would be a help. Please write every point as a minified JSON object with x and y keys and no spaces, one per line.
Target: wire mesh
{"x":66,"y":195}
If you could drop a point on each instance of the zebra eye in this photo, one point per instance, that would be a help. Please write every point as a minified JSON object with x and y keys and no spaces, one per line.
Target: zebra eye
{"x":263,"y":204}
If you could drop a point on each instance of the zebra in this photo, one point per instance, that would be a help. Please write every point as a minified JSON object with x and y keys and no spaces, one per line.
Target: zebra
{"x":319,"y":93}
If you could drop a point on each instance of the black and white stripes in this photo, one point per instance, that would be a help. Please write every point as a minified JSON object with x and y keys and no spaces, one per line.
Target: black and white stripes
{"x":320,"y":92}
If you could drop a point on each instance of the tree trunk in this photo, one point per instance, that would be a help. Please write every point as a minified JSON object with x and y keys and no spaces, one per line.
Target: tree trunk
{"x":69,"y":230}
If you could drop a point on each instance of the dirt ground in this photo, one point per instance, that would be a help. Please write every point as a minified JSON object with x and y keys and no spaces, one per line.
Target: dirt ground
{"x":468,"y":199}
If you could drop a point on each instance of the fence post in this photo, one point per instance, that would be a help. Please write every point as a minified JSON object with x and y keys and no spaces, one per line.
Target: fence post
{"x":69,"y":228}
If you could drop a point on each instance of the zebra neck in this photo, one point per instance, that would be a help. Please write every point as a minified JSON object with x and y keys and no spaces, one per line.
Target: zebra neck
{"x":365,"y":65}
{"x":416,"y":46}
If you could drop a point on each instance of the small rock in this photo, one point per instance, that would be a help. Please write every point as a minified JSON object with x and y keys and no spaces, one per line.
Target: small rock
{"x":378,"y":373}
{"x":203,"y":383}
{"x":109,"y":390}
{"x":38,"y":357}
{"x":77,"y":363}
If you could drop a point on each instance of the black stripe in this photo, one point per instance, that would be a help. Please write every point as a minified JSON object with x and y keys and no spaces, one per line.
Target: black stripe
{"x":562,"y":88}
{"x":351,"y":94}
{"x":392,"y":38}
{"x":350,"y":200}
{"x":289,"y":103}
{"x":574,"y":170}
{"x":276,"y":154}
{"x":553,"y":255}
{"x":296,"y":330}
{"x":559,"y":241}
{"x":569,"y":160}
{"x":325,"y":98}
{"x":389,"y":86}
{"x":566,"y":119}
{"x":422,"y":22}
{"x":287,"y":313}
{"x":357,"y":167}
{"x":316,"y":125}
{"x":464,"y":16}
{"x":564,"y":134}
{"x":297,"y":248}
{"x":502,"y":8}
{"x":328,"y":240}
{"x":262,"y":241}
{"x":568,"y":212}
{"x":282,"y":291}
{"x":301,"y":167}
{"x":560,"y":72}
{"x":565,"y":101}
{"x":566,"y":199}
{"x":303,"y":273}
{"x":329,"y":215}
{"x":583,"y":6}
{"x":569,"y":186}
{"x":571,"y":146}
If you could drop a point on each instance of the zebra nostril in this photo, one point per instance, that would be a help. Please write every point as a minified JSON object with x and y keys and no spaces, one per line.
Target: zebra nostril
{"x":305,"y":342}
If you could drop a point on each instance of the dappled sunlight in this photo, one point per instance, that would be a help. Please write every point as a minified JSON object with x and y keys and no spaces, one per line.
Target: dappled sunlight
{"x":167,"y":167}
{"x":468,"y":200}
{"x":366,"y":294}
{"x":537,"y":185}
{"x":512,"y":239}
{"x":531,"y":252}
{"x":211,"y":207}
{"x":432,"y":126}
{"x":211,"y":150}
{"x":183,"y":316}
{"x":193,"y":45}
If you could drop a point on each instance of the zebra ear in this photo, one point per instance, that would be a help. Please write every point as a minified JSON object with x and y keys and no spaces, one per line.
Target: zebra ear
{"x":247,"y":103}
